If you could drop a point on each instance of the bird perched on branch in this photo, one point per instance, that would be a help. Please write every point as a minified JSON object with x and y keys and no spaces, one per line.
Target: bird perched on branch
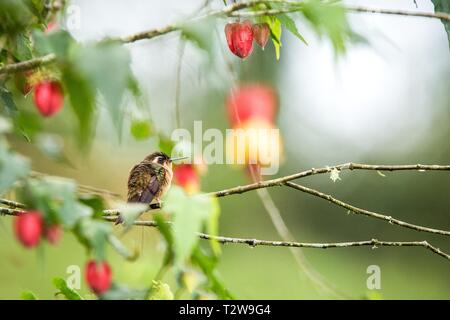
{"x":150,"y":179}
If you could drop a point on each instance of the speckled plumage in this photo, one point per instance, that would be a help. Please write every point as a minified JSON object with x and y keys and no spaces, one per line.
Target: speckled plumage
{"x":150,"y":179}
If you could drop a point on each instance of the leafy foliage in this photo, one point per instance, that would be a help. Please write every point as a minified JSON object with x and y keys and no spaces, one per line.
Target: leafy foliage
{"x":58,"y":42}
{"x":290,"y":25}
{"x":56,"y":199}
{"x":208,"y":264}
{"x":160,"y":291}
{"x":65,"y":290}
{"x":81,"y":97}
{"x":12,"y":167}
{"x":200,"y":33}
{"x":28,"y":295}
{"x":186,"y":226}
{"x":94,"y":235}
{"x":8,"y":102}
{"x":443,"y":6}
{"x":130,"y":212}
{"x":275,"y":33}
{"x":122,"y":292}
{"x":329,"y":20}
{"x":106,"y":66}
{"x":141,"y":129}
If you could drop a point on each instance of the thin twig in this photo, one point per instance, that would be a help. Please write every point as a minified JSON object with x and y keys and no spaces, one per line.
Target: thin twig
{"x":355,"y":9}
{"x":10,"y":212}
{"x":436,"y":15}
{"x":12,"y":204}
{"x":107,"y":214}
{"x":81,"y":187}
{"x":28,"y":64}
{"x":374,"y":243}
{"x":368,"y":213}
{"x":255,"y":242}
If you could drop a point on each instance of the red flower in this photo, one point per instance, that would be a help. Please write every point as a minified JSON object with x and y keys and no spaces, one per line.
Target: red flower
{"x":28,"y":228}
{"x":186,"y":176}
{"x":48,"y":97}
{"x":240,"y":38}
{"x":53,"y":233}
{"x":261,"y":32}
{"x":51,"y":26}
{"x":250,"y":102}
{"x":98,"y":276}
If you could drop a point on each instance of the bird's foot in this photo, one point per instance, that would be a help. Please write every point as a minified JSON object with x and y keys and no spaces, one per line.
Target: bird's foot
{"x":119,"y":220}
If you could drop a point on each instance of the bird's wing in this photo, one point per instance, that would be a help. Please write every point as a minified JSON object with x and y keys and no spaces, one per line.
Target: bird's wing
{"x":143,"y":183}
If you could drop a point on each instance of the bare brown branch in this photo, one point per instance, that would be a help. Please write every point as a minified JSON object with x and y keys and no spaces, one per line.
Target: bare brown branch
{"x":368,"y":213}
{"x":313,"y":171}
{"x":286,"y":181}
{"x":374,"y":243}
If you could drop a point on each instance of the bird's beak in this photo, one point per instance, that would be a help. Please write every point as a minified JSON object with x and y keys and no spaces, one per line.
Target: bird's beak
{"x":177,"y":159}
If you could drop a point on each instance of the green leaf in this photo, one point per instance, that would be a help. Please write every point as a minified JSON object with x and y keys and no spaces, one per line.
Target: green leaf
{"x":141,"y":129}
{"x":190,"y":213}
{"x":28,"y":295}
{"x":27,"y":124}
{"x":95,"y":202}
{"x":130,"y":212}
{"x":82,"y":99}
{"x":56,"y":199}
{"x":373,"y":295}
{"x":13,"y":167}
{"x":290,"y":25}
{"x":94,"y":234}
{"x":37,"y":7}
{"x":208,"y":264}
{"x":443,"y":6}
{"x":122,"y":249}
{"x":8,"y":102}
{"x":58,"y":42}
{"x":22,"y":50}
{"x":275,"y":33}
{"x":190,"y":279}
{"x":160,"y":291}
{"x":165,"y":144}
{"x":165,"y":230}
{"x":121,"y":292}
{"x":107,"y":67}
{"x":330,"y":20}
{"x":201,"y":34}
{"x":15,"y":16}
{"x":65,"y":290}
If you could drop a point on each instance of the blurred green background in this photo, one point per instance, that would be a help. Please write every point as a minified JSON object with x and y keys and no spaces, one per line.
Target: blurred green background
{"x":386,"y":102}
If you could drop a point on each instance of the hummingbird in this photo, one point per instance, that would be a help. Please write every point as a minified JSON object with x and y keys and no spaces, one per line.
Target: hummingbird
{"x":150,"y":179}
